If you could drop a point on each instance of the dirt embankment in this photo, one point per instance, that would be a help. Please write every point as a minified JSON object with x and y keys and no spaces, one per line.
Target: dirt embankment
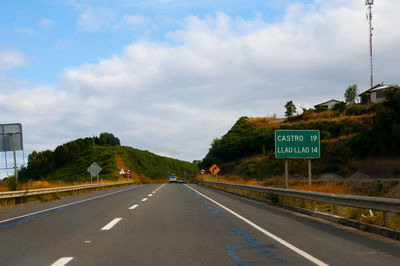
{"x":121,"y":165}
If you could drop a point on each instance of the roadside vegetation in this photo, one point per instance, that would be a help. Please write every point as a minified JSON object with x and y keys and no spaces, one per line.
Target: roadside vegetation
{"x":354,"y":137}
{"x":68,"y":164}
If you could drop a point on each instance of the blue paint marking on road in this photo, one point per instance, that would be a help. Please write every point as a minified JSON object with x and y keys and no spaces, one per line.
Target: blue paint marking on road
{"x":29,"y":218}
{"x":207,"y":204}
{"x":211,"y":208}
{"x":252,"y":244}
{"x":22,"y":220}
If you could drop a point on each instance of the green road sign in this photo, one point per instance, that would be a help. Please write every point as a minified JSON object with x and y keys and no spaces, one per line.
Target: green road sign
{"x":297,"y":144}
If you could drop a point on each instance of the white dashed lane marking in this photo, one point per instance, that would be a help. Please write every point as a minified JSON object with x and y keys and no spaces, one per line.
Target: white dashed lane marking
{"x":144,"y":199}
{"x":111,"y":224}
{"x":134,"y":206}
{"x":62,"y":261}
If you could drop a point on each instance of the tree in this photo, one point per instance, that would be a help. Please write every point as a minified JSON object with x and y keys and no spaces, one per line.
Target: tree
{"x":350,"y":95}
{"x":107,"y":139}
{"x":290,"y":108}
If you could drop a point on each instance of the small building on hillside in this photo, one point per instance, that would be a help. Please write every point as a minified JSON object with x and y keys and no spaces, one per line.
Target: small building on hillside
{"x":329,"y":104}
{"x":375,"y":94}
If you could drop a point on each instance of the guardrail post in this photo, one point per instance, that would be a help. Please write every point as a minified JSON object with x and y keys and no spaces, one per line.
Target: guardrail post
{"x":388,"y":206}
{"x":385,"y":218}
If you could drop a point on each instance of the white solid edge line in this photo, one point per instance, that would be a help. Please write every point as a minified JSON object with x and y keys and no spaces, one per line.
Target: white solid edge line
{"x":65,"y":205}
{"x":144,"y":199}
{"x":62,"y":261}
{"x":134,"y":206}
{"x":111,"y":224}
{"x":276,"y":238}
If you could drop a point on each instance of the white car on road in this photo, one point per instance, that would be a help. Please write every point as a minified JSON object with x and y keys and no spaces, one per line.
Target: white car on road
{"x":173,"y":179}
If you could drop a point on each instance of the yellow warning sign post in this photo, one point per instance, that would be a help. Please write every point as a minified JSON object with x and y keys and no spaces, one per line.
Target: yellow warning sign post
{"x":214,"y":169}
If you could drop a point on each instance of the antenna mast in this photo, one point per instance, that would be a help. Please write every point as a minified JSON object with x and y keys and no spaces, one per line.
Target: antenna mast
{"x":369,"y":3}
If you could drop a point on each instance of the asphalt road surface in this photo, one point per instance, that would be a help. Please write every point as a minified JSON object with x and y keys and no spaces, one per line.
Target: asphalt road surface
{"x":177,"y":224}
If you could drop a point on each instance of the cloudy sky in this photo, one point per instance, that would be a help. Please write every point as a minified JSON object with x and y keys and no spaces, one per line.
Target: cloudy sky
{"x":168,"y":76}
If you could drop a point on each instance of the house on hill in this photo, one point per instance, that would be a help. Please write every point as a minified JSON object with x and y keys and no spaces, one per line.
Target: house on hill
{"x":375,"y":94}
{"x":329,"y":104}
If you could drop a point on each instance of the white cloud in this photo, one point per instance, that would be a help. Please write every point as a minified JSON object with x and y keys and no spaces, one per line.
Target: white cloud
{"x":27,"y":31}
{"x":10,"y":60}
{"x":94,"y":19}
{"x":173,"y":99}
{"x":90,"y":21}
{"x":135,"y":20}
{"x":46,"y":23}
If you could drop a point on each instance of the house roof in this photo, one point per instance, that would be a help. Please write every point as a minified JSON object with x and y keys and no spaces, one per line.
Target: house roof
{"x":376,"y":88}
{"x":333,"y":100}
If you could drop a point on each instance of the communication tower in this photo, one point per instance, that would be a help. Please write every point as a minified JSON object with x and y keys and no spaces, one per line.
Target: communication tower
{"x":369,"y":4}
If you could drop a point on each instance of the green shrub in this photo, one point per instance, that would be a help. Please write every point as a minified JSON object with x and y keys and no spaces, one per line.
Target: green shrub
{"x":326,"y":135}
{"x":339,"y":107}
{"x":357,"y":109}
{"x":12,"y":183}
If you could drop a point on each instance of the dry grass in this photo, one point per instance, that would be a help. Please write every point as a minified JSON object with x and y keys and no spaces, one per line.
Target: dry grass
{"x":343,"y":189}
{"x":366,"y":216}
{"x":293,"y":184}
{"x":266,"y":121}
{"x":326,"y":116}
{"x":143,"y":179}
{"x":330,"y":119}
{"x":45,"y":184}
{"x":37,"y":185}
{"x":234,"y":179}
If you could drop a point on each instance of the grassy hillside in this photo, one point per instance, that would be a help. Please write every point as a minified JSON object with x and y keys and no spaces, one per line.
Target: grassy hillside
{"x":140,"y":162}
{"x":69,"y":162}
{"x":348,"y":134}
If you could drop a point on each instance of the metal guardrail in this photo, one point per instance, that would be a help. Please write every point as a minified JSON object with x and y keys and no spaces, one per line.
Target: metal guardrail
{"x":373,"y":203}
{"x":43,"y":191}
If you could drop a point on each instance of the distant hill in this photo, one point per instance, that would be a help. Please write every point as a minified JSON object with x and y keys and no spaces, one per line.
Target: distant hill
{"x":69,"y":162}
{"x":348,"y":134}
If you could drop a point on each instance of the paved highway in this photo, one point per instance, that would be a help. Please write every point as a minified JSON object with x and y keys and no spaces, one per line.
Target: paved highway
{"x":176,"y":224}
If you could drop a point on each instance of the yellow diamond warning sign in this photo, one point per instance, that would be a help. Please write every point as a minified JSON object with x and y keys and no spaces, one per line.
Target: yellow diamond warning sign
{"x":214,"y":169}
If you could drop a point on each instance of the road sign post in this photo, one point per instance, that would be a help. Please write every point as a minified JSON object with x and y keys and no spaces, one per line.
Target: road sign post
{"x":309,"y":174}
{"x":94,"y":170}
{"x":214,"y":169}
{"x":128,"y":172}
{"x":286,"y":173}
{"x":296,"y":144}
{"x":11,"y":140}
